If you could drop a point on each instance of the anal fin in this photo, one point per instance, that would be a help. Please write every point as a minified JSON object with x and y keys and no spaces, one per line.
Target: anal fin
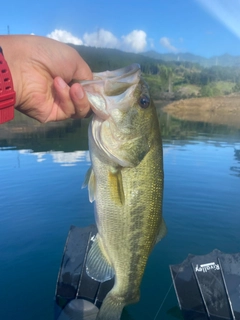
{"x":97,"y":266}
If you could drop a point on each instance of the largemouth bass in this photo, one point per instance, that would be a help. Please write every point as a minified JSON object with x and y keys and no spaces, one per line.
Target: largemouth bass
{"x":126,"y":183}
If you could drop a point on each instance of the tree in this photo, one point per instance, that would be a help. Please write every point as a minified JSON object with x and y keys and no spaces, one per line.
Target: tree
{"x":166,"y":75}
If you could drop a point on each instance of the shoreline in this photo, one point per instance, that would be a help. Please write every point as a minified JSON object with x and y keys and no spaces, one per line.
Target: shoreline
{"x":223,"y":110}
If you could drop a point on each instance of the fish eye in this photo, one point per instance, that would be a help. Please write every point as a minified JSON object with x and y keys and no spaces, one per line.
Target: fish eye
{"x":144,"y":102}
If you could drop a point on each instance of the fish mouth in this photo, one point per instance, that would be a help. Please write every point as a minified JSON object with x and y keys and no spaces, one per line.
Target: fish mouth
{"x":115,"y":75}
{"x":110,"y":89}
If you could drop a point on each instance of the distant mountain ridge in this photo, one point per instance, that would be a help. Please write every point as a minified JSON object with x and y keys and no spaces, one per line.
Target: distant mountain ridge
{"x":104,"y":58}
{"x":100,"y":59}
{"x":172,"y":76}
{"x":225,"y":60}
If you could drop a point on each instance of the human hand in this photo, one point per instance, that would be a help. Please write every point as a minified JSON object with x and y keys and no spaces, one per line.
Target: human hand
{"x":41,"y":69}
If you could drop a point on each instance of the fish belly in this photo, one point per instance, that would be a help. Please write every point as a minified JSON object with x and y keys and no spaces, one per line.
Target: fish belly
{"x":129,"y":230}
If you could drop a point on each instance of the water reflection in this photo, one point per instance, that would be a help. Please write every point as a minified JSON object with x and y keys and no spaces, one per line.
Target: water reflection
{"x":236,"y":169}
{"x":237,"y":154}
{"x":71,"y":135}
{"x":173,"y":128}
{"x":63,"y":158}
{"x":26,"y":133}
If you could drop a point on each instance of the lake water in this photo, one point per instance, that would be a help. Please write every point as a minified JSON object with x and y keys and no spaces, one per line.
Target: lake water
{"x":42,"y":168}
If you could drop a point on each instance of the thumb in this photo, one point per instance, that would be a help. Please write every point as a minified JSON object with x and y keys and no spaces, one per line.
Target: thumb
{"x":70,"y":101}
{"x":80,"y":101}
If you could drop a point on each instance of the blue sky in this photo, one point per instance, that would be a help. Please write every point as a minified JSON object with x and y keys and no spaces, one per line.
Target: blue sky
{"x":202,"y":27}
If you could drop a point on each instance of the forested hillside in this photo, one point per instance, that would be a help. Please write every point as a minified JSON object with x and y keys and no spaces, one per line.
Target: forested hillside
{"x":225,"y":60}
{"x":168,"y":79}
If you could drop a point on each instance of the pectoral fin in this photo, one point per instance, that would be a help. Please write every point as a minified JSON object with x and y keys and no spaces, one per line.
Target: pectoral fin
{"x":116,"y":186}
{"x":91,"y":183}
{"x":97,"y":266}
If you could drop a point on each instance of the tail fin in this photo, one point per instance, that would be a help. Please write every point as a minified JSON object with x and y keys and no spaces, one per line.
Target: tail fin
{"x":111,"y":308}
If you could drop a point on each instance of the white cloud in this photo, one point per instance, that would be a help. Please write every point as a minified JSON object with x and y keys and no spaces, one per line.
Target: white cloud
{"x":101,"y":38}
{"x":64,"y":36}
{"x":166,"y":43}
{"x":135,"y":41}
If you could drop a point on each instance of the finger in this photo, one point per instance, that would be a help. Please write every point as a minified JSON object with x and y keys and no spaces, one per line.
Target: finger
{"x":80,"y":101}
{"x":63,"y":106}
{"x":69,"y":102}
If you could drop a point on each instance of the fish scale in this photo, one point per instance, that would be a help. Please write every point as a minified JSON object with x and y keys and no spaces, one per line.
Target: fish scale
{"x":126,"y":183}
